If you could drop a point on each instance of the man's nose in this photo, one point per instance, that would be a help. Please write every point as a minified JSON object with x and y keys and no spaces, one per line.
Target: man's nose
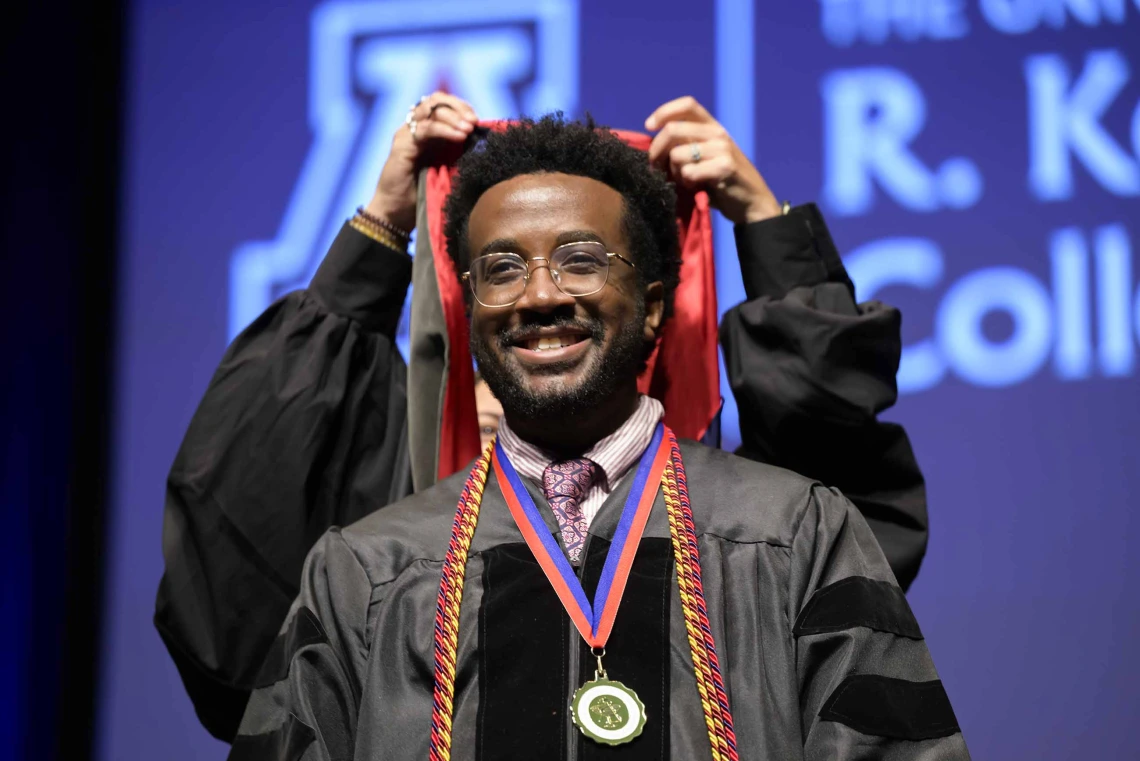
{"x":541,"y":293}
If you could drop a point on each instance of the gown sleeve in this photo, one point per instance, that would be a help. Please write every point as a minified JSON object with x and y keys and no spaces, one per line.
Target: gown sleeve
{"x":308,"y":691}
{"x":301,"y":428}
{"x":868,"y":686}
{"x":811,"y":369}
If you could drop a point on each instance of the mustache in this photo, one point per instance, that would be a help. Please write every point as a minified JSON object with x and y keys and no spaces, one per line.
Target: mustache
{"x":508,"y":336}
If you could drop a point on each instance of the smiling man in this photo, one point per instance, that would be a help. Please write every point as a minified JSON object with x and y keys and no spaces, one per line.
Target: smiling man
{"x":592,"y":587}
{"x":545,"y":358}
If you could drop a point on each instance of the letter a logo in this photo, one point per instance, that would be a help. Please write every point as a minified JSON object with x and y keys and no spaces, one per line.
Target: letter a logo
{"x":369,"y":62}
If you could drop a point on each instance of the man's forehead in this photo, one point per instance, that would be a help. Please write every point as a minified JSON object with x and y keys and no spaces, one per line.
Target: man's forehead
{"x":547,"y":204}
{"x":542,"y":189}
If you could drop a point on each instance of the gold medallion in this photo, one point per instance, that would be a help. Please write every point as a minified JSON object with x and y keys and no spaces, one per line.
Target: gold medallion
{"x":608,"y":712}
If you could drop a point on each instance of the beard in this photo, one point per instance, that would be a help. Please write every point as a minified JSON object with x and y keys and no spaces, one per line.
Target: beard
{"x":622,"y":360}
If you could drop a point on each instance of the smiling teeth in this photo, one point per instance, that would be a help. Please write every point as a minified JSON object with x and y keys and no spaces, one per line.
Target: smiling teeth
{"x":547,"y":343}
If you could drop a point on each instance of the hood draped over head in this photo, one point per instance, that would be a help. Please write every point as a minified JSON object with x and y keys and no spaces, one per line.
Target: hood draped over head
{"x":682,"y":370}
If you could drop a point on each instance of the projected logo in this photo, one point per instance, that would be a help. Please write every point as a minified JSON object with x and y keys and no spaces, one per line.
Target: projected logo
{"x":369,"y":62}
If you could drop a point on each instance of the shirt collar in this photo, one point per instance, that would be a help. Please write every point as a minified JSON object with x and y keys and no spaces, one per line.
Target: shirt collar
{"x":614,"y":454}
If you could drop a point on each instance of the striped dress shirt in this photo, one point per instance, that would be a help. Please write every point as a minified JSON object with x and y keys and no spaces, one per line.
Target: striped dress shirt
{"x":615,"y":454}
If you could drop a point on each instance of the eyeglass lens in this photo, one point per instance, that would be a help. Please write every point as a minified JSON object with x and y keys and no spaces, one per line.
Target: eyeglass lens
{"x":578,"y":269}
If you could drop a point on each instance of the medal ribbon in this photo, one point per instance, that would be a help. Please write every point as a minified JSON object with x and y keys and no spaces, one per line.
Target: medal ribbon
{"x":706,"y":667}
{"x":596,"y":621}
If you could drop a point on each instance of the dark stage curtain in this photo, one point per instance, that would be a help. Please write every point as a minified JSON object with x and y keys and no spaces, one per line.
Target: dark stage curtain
{"x":61,"y":75}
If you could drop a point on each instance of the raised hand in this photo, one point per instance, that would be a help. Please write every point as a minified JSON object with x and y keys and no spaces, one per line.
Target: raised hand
{"x":698,"y":152}
{"x":437,"y":117}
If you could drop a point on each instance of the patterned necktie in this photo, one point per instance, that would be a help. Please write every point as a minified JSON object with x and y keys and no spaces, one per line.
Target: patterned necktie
{"x":565,"y":484}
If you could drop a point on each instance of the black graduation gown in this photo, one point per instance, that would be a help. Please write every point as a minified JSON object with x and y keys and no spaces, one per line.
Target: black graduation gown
{"x":820,"y":653}
{"x":303,"y":427}
{"x":811,"y":369}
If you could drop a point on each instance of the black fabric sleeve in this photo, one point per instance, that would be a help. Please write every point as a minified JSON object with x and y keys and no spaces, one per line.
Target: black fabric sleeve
{"x":868,"y":687}
{"x":811,"y":369}
{"x":302,"y":428}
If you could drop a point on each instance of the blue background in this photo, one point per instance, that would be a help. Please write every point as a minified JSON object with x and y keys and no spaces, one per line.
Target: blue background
{"x":1028,"y":593}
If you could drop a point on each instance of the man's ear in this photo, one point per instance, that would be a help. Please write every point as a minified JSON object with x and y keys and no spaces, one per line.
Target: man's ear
{"x":654,"y":310}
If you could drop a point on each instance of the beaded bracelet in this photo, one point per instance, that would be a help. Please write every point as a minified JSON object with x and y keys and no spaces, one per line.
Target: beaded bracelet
{"x":378,"y":234}
{"x":383,"y":224}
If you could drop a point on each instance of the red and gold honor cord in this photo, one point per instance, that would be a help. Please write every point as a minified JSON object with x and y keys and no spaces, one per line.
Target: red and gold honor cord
{"x":710,"y":683}
{"x":447,"y":605}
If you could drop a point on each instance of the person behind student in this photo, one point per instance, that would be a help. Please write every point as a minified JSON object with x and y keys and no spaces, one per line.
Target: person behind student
{"x":304,"y":425}
{"x":592,"y":587}
{"x":488,"y":410}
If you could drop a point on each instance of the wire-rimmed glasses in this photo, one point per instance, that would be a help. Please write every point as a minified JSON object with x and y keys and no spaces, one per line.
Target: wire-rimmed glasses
{"x":578,"y":269}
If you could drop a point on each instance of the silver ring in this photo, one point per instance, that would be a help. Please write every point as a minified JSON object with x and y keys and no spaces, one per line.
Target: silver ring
{"x":410,"y":119}
{"x":695,"y":152}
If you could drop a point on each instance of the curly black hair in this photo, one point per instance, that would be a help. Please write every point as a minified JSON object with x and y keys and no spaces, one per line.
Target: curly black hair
{"x":555,"y":144}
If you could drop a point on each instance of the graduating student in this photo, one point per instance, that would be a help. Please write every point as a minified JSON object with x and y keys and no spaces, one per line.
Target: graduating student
{"x":592,"y":587}
{"x":311,"y":421}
